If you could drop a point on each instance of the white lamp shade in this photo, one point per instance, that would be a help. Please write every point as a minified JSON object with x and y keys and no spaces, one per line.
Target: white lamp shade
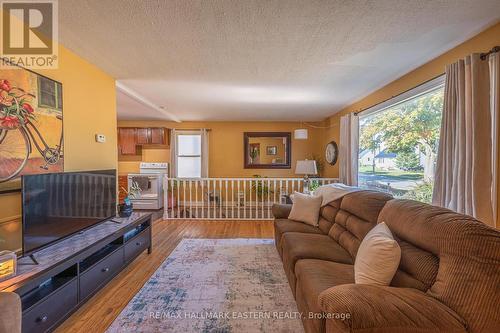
{"x":300,"y":134}
{"x":306,"y":167}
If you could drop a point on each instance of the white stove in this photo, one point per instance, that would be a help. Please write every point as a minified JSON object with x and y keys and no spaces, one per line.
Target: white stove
{"x":158,"y":167}
{"x":150,"y":181}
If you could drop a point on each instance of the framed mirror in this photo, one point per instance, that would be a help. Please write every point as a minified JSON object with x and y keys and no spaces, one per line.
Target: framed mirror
{"x":267,"y":150}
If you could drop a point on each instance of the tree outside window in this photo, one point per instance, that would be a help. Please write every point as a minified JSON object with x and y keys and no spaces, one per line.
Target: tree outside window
{"x":398,"y":146}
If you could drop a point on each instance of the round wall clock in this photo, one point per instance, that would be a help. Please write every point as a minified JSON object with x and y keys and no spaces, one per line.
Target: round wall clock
{"x":332,"y":152}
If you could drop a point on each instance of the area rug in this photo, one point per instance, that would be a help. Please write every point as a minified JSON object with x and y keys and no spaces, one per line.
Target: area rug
{"x":215,"y":285}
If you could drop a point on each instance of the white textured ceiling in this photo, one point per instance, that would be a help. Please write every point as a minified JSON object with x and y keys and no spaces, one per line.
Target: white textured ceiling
{"x":262,"y":60}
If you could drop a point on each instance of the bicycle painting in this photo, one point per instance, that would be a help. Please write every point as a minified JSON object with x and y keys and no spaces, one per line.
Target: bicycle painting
{"x":31,"y":135}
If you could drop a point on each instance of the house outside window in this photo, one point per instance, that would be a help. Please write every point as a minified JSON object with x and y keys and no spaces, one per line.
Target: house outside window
{"x":398,"y":142}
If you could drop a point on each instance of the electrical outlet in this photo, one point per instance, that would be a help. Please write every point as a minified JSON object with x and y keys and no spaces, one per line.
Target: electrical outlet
{"x":101,"y":138}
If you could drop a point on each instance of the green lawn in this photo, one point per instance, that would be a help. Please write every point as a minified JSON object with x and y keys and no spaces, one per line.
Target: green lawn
{"x":395,"y":174}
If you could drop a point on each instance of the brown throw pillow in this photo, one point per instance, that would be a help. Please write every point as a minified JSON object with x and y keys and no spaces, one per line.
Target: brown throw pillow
{"x":305,"y":208}
{"x":378,"y":257}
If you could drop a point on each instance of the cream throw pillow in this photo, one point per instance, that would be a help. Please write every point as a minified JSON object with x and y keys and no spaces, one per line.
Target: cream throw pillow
{"x":378,"y":257}
{"x":305,"y":208}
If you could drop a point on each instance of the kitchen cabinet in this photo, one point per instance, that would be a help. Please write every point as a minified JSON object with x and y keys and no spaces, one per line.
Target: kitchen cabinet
{"x":143,"y":136}
{"x":131,"y":137}
{"x":127,"y":141}
{"x":157,"y":136}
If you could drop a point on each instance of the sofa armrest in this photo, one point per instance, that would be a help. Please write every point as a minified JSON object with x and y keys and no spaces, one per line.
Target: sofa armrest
{"x":371,"y":308}
{"x":10,"y":313}
{"x":281,"y":211}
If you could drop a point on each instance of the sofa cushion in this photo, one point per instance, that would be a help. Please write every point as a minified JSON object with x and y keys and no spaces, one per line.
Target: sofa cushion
{"x":382,"y":309}
{"x":356,"y":216}
{"x":281,"y":211}
{"x":378,"y":257}
{"x":457,"y":255}
{"x":298,"y":246}
{"x":313,"y":277}
{"x":327,"y":215}
{"x":10,"y":312}
{"x":284,"y":225}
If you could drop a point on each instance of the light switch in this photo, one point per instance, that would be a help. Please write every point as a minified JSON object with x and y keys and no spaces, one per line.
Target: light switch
{"x":101,"y":138}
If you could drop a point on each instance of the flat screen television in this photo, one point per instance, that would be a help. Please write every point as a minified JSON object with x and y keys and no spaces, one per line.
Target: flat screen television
{"x":57,"y":205}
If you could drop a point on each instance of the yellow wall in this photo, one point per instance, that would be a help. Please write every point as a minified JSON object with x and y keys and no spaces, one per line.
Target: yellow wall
{"x":226,"y":147}
{"x":480,"y":43}
{"x":89,"y":107}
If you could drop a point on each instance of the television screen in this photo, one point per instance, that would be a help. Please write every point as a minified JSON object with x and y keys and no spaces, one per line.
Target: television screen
{"x":56,"y":205}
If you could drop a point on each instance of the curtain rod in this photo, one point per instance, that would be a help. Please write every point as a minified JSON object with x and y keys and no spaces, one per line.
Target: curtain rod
{"x":482,"y":56}
{"x":486,"y":54}
{"x":401,"y":93}
{"x":191,"y":129}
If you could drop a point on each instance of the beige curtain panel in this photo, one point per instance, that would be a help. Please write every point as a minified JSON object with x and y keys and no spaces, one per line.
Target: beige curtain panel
{"x":204,"y":153}
{"x":465,"y":174}
{"x":348,"y":150}
{"x":494,"y":63}
{"x":173,"y":153}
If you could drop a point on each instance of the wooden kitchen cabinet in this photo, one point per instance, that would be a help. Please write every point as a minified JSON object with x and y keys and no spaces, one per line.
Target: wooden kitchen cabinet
{"x":157,"y":136}
{"x":143,"y":136}
{"x":127,"y":141}
{"x":131,"y":137}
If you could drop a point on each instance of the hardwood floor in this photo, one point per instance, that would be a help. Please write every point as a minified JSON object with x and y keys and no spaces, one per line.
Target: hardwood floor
{"x":100,"y":311}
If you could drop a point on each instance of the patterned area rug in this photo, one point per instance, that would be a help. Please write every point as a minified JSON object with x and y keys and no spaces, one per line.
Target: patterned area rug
{"x":215,"y":285}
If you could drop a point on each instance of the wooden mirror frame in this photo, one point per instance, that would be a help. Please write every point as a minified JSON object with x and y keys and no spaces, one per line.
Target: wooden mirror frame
{"x":288,"y":162}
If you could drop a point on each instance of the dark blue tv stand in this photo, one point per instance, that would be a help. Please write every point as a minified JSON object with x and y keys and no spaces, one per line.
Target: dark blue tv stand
{"x":68,"y":273}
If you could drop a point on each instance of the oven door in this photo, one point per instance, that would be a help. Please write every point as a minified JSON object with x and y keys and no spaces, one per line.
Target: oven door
{"x":148,"y":185}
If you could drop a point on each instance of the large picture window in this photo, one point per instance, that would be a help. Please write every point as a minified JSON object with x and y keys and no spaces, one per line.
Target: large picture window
{"x":398,"y":142}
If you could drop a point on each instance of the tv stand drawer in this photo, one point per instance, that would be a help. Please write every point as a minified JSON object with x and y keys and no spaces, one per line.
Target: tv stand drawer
{"x":100,"y":273}
{"x":43,"y":316}
{"x":136,"y":245}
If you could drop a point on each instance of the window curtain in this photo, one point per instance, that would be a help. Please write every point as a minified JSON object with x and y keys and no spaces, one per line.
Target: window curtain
{"x":494,"y":64}
{"x":204,"y":153}
{"x":173,"y":154}
{"x":464,"y":172}
{"x":348,"y":150}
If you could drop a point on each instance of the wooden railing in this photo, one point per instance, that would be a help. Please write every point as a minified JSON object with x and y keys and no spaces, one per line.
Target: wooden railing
{"x":229,"y":198}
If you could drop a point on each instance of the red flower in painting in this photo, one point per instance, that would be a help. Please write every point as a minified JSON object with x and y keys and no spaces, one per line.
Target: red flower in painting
{"x":28,"y":108}
{"x":5,"y":85}
{"x":10,"y":122}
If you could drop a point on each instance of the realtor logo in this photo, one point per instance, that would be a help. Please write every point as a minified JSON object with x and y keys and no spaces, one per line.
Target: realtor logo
{"x":29,"y":34}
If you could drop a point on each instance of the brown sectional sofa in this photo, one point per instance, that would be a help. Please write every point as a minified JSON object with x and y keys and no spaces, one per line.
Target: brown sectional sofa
{"x":10,"y":313}
{"x":448,"y":278}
